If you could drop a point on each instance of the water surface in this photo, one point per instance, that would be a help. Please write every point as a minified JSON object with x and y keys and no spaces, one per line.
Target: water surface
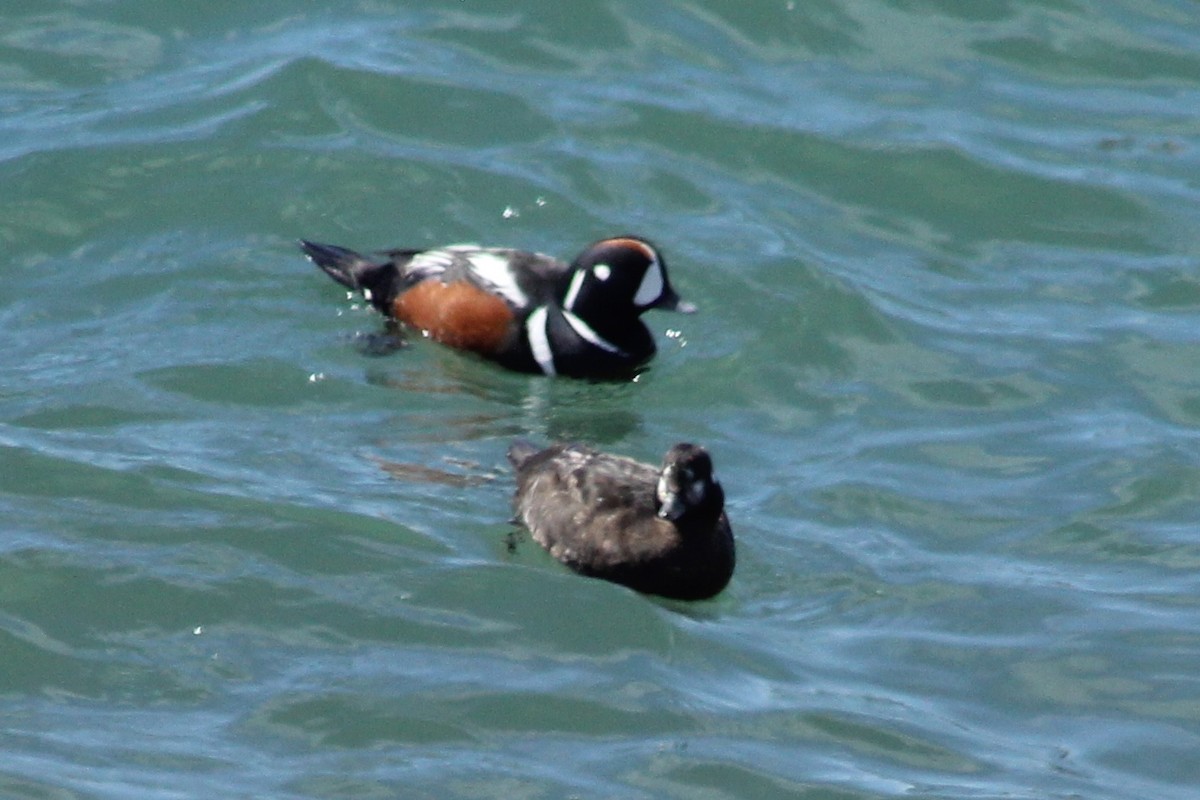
{"x":946,"y":363}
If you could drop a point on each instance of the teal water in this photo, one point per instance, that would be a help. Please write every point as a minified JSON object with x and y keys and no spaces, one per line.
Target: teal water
{"x":947,"y":362}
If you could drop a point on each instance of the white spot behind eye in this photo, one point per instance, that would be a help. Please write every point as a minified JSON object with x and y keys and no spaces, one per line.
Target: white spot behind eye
{"x":652,"y":286}
{"x":602,"y":271}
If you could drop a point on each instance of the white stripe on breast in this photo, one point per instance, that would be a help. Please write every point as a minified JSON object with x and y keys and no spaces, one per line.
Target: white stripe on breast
{"x":539,"y":339}
{"x":589,"y":335}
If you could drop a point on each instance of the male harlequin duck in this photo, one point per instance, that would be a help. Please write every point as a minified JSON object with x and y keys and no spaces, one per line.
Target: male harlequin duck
{"x":529,"y":312}
{"x":659,"y":531}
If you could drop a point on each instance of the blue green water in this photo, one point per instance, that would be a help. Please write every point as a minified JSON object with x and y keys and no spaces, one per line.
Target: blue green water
{"x":947,"y":362}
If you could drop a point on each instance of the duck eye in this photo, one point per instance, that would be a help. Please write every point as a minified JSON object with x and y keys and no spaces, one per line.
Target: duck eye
{"x":602,"y":271}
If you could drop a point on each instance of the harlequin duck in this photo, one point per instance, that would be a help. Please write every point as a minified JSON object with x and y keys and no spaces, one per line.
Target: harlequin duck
{"x":529,"y":312}
{"x":659,"y":531}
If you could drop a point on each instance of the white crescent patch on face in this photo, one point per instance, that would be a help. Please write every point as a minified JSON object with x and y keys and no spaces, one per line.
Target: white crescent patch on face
{"x":652,"y":285}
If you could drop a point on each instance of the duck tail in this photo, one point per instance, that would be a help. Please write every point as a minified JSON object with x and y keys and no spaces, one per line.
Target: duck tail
{"x":377,"y":281}
{"x":520,"y":451}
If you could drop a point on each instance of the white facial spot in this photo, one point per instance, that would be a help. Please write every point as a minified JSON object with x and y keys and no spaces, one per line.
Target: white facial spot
{"x":671,"y":505}
{"x":602,"y":271}
{"x":696,"y":491}
{"x":652,"y":286}
{"x":663,"y":489}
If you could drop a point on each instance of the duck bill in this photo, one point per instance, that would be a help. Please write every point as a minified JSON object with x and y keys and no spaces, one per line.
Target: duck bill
{"x":671,"y":505}
{"x":673,"y":508}
{"x":670,"y":301}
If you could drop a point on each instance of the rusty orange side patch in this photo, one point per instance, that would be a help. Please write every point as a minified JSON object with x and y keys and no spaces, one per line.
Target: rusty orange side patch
{"x":457,"y":314}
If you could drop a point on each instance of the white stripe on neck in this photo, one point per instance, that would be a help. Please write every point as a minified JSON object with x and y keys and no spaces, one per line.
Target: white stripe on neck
{"x":589,"y":335}
{"x":539,"y":339}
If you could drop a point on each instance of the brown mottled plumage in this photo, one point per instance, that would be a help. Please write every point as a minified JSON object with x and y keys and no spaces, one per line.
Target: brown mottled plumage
{"x":660,"y":531}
